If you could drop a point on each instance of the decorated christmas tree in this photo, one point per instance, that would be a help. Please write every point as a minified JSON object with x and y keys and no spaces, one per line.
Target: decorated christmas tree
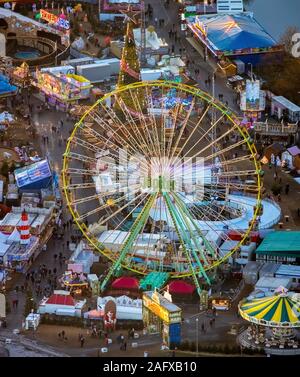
{"x":130,"y":71}
{"x":129,"y":65}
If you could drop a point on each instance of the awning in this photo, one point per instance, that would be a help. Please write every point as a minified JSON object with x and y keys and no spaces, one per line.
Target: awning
{"x":274,"y":311}
{"x":126,"y":282}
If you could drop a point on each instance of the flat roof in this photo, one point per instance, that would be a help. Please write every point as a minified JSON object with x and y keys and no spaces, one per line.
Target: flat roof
{"x":288,"y":270}
{"x":287,"y":103}
{"x":166,"y":304}
{"x":281,"y":244}
{"x":273,"y":283}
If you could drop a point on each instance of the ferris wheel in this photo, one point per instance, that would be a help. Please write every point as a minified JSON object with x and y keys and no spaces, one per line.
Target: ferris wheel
{"x":155,"y":175}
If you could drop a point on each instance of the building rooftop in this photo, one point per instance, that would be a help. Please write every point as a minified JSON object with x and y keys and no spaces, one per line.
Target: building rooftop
{"x":286,"y":103}
{"x":163,"y":302}
{"x":281,"y":244}
{"x":228,"y":32}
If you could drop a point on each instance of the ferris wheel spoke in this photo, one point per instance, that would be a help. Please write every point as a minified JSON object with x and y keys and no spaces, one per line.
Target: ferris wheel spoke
{"x":124,"y":207}
{"x":103,"y":207}
{"x":237,"y":186}
{"x":233,"y":161}
{"x":232,"y":198}
{"x":100,"y":196}
{"x":161,"y":139}
{"x":238,"y":173}
{"x":182,"y":130}
{"x":79,"y":157}
{"x":136,"y":246}
{"x":138,"y":224}
{"x":224,"y":206}
{"x":142,"y":144}
{"x":133,"y":147}
{"x":79,"y":186}
{"x":188,"y":218}
{"x":204,"y":212}
{"x":132,"y":123}
{"x":81,"y":172}
{"x":173,"y":129}
{"x":85,"y":144}
{"x":187,"y":246}
{"x":118,"y":226}
{"x":145,"y":125}
{"x":215,"y":141}
{"x":207,"y":132}
{"x":217,"y":217}
{"x":220,"y":152}
{"x":194,"y":129}
{"x":107,"y":127}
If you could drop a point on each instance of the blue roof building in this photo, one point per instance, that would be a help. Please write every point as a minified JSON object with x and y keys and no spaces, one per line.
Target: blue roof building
{"x":234,"y":35}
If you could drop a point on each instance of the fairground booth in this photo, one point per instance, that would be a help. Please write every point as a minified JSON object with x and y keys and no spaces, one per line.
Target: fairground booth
{"x":61,"y":88}
{"x":160,"y":315}
{"x":236,"y":36}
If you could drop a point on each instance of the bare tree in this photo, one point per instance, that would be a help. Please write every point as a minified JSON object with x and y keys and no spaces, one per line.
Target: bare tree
{"x":286,"y":38}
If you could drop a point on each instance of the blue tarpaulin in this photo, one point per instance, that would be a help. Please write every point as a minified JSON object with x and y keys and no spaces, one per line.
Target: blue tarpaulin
{"x":6,"y":87}
{"x":235,"y":32}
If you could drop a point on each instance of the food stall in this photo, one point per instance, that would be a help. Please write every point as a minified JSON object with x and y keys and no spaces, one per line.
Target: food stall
{"x":21,"y":75}
{"x":220,"y":303}
{"x":160,"y":315}
{"x":60,"y":89}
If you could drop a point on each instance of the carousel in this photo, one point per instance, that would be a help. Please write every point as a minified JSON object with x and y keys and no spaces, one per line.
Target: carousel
{"x":274,"y":322}
{"x":74,"y":282}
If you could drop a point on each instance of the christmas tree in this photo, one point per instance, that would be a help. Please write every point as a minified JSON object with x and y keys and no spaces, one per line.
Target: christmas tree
{"x":130,"y":71}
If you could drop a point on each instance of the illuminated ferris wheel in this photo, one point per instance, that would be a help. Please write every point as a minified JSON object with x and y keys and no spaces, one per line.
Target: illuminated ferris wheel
{"x":155,"y":174}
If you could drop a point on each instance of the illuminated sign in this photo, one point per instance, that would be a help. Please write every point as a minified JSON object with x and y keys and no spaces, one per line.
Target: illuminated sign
{"x":253,"y":99}
{"x":53,"y":19}
{"x":201,"y":27}
{"x":160,"y":311}
{"x":33,"y":173}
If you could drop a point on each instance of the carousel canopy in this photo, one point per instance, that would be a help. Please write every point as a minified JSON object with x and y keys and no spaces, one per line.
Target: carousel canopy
{"x":281,"y":310}
{"x":126,"y":282}
{"x":181,"y":287}
{"x":233,"y":32}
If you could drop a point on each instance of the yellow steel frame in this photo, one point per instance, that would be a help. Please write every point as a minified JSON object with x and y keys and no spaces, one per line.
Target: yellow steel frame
{"x":197,"y":93}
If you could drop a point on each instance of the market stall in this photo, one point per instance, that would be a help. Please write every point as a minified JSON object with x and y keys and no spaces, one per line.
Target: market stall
{"x":74,"y":282}
{"x":162,"y":316}
{"x":181,"y":288}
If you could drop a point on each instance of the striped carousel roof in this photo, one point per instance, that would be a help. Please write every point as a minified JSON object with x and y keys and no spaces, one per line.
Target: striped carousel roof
{"x":280,"y":310}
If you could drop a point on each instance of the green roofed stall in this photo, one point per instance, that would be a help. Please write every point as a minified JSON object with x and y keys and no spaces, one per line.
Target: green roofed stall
{"x":283,"y":244}
{"x":154,"y":280}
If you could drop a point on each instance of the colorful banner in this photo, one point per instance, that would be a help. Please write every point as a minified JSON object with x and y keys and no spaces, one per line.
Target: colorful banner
{"x":53,"y":19}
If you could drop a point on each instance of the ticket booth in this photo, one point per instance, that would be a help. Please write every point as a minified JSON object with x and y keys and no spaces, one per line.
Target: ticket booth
{"x":160,"y":315}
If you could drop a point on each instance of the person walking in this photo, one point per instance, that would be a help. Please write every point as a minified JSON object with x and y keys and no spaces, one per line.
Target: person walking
{"x":82,"y":340}
{"x":287,"y":189}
